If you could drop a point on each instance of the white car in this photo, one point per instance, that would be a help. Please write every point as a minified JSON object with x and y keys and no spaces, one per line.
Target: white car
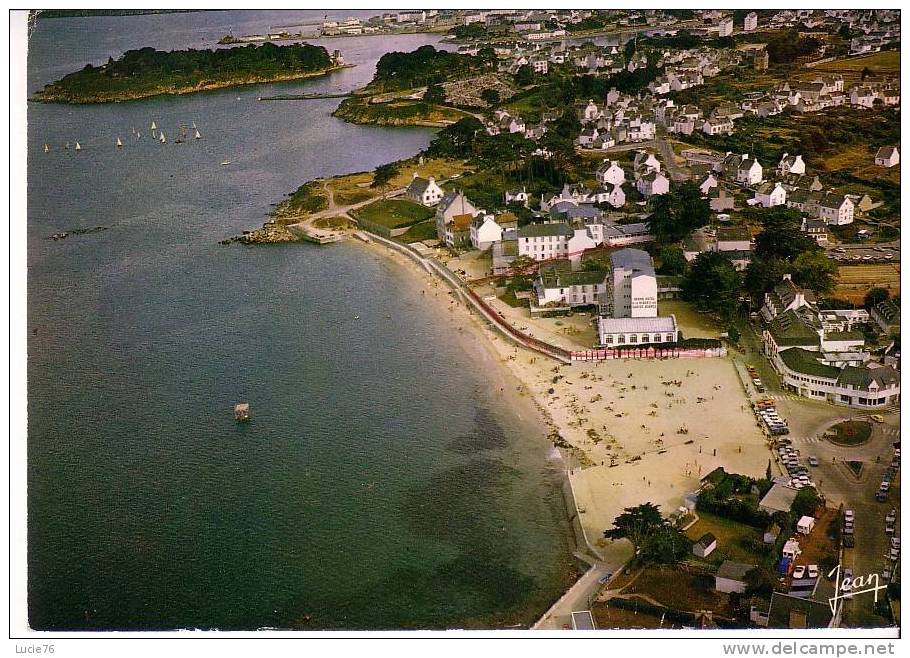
{"x":799,"y":571}
{"x":848,"y":515}
{"x":813,"y":571}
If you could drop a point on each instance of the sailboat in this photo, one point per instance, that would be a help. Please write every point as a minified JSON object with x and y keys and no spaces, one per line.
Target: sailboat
{"x":78,"y":146}
{"x":197,"y":135}
{"x":162,"y":138}
{"x":154,"y":126}
{"x":194,"y":125}
{"x":138,"y":135}
{"x":66,"y":147}
{"x":47,"y":148}
{"x":119,"y":143}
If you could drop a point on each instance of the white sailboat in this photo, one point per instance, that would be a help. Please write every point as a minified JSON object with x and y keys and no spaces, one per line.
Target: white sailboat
{"x":78,"y":146}
{"x":119,"y":143}
{"x":47,"y":148}
{"x":162,"y":138}
{"x":138,"y":135}
{"x":154,"y":126}
{"x":194,"y":125}
{"x":197,"y":135}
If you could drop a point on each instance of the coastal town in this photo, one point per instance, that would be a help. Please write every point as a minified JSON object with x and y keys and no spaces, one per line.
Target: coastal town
{"x":680,"y":232}
{"x":498,"y":320}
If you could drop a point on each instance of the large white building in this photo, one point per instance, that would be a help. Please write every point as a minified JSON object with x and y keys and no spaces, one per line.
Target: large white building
{"x":624,"y":332}
{"x":633,"y":291}
{"x":558,"y":284}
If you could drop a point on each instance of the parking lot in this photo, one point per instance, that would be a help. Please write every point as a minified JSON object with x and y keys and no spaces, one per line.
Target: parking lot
{"x":862,"y":253}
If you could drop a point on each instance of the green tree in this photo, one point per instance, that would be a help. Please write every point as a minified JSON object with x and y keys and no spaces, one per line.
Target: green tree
{"x":636,"y":524}
{"x":672,"y":260}
{"x":780,"y":236}
{"x":490,"y":96}
{"x":524,"y":75}
{"x":383,"y":174}
{"x":666,"y":545}
{"x":875,"y":297}
{"x":806,"y":502}
{"x":762,"y":274}
{"x":815,"y":271}
{"x":768,"y":472}
{"x":458,"y":140}
{"x":712,"y":284}
{"x":675,"y":216}
{"x":435,"y":94}
{"x":760,"y":581}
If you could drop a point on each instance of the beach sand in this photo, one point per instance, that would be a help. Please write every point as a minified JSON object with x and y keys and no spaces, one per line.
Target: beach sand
{"x":628,"y":413}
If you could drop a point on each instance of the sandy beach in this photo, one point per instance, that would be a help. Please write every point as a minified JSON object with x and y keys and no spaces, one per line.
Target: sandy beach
{"x":634,"y":430}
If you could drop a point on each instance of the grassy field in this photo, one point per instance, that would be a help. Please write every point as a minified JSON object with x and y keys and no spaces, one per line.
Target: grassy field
{"x":859,"y":160}
{"x":419,"y":232}
{"x":679,"y":590}
{"x":730,"y":537}
{"x":394,"y":213}
{"x":854,"y":281}
{"x":887,"y":62}
{"x":691,"y":323}
{"x":439,"y":168}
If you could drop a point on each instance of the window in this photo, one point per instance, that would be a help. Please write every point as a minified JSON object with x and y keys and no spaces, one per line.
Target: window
{"x":669,"y":338}
{"x":608,"y":339}
{"x":633,"y":338}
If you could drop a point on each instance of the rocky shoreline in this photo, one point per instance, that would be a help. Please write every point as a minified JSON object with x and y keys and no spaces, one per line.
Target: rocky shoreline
{"x":51,"y":94}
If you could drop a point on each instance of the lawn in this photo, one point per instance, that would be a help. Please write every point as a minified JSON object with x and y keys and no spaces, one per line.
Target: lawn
{"x":850,"y":433}
{"x":439,"y":168}
{"x":887,"y":62}
{"x":691,"y":323}
{"x":394,"y":213}
{"x":854,"y":281}
{"x":731,"y":538}
{"x":420,"y":232}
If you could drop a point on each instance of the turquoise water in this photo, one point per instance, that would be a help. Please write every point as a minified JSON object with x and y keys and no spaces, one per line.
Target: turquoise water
{"x":378,"y":485}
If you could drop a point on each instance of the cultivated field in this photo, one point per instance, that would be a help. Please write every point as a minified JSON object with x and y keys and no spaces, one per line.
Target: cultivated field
{"x":854,"y":281}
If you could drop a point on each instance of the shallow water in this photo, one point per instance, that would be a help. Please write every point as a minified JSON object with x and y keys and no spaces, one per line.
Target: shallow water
{"x":379,"y":484}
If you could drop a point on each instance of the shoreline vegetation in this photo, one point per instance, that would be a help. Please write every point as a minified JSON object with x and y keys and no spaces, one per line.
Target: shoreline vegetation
{"x":148,"y":72}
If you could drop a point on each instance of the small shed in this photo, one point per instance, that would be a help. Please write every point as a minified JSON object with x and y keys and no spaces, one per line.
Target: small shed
{"x":730,"y":576}
{"x":771,"y":534}
{"x":704,"y":546}
{"x":805,"y":525}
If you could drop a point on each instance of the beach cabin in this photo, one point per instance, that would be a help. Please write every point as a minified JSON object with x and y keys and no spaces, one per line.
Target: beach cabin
{"x":805,"y":525}
{"x":704,"y":546}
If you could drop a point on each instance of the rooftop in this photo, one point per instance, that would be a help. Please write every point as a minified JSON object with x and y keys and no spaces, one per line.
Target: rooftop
{"x":779,"y":498}
{"x":659,"y":324}
{"x":807,"y":363}
{"x":733,"y":570}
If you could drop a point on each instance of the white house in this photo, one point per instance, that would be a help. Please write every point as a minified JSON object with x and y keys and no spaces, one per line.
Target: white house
{"x":453,"y":204}
{"x":653,"y":184}
{"x":617,"y":197}
{"x":769,"y":195}
{"x":517,"y":196}
{"x":646,"y":162}
{"x":791,"y":164}
{"x":611,"y":173}
{"x":887,"y":156}
{"x":485,"y":231}
{"x":836,"y":210}
{"x":749,"y":171}
{"x":424,"y":191}
{"x":558,"y":284}
{"x":708,"y":184}
{"x":591,"y":112}
{"x":705,"y":545}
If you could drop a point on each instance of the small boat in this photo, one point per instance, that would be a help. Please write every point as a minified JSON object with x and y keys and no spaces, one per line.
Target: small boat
{"x":119,"y":143}
{"x":66,"y":147}
{"x":154,"y":126}
{"x":162,"y":138}
{"x":197,"y":135}
{"x":225,"y":162}
{"x":242,"y":412}
{"x":138,"y":135}
{"x":178,"y":141}
{"x":194,"y":125}
{"x":78,"y":146}
{"x":47,"y":148}
{"x":356,"y":317}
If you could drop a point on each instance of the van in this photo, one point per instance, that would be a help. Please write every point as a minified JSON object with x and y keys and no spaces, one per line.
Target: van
{"x":878,"y":418}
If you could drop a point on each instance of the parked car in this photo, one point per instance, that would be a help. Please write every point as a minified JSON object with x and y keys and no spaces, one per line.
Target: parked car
{"x":892,"y":516}
{"x":848,"y":515}
{"x":894,"y":554}
{"x":896,"y":542}
{"x":881,"y":496}
{"x":889,"y":529}
{"x":849,"y":541}
{"x":799,"y":571}
{"x":813,"y":571}
{"x":813,"y":461}
{"x":878,"y":418}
